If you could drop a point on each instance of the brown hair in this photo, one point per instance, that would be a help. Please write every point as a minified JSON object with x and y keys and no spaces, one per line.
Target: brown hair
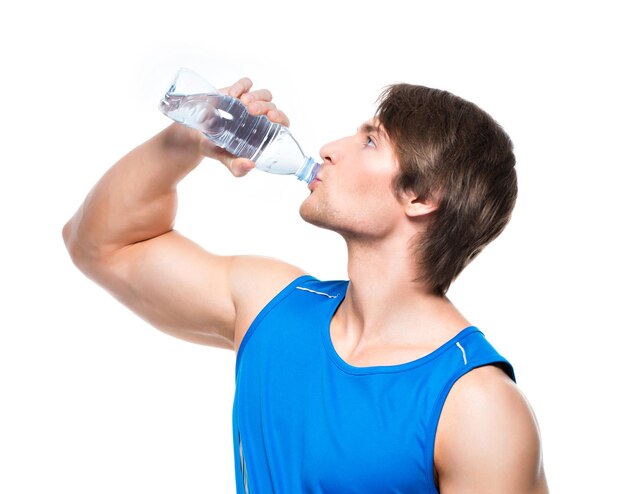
{"x":454,"y":153}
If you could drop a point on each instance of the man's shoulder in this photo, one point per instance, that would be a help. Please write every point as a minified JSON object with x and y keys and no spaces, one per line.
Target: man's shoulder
{"x":255,"y":281}
{"x":485,"y":388}
{"x":488,"y":434}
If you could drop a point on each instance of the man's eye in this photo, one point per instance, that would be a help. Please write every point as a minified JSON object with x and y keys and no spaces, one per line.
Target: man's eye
{"x":370,"y":142}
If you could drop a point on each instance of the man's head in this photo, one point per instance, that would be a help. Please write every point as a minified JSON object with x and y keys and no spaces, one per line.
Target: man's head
{"x":431,"y":161}
{"x":452,"y":153}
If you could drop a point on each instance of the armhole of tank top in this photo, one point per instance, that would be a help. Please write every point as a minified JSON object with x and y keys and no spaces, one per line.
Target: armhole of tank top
{"x":435,"y":415}
{"x":266,"y":310}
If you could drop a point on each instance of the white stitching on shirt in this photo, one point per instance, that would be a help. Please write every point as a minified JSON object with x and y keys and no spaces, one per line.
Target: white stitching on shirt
{"x":463,"y":352}
{"x":244,"y":469}
{"x":318,"y":293}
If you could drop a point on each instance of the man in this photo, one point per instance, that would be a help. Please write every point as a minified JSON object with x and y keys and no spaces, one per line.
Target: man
{"x":369,"y":386}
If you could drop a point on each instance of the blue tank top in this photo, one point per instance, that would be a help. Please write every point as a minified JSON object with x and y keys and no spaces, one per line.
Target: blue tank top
{"x":305,"y":421}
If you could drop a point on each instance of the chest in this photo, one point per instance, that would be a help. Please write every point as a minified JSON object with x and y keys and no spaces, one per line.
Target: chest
{"x":333,"y":432}
{"x":361,"y":441}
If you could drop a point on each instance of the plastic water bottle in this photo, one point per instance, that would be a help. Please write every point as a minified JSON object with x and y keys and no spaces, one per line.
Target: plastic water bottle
{"x":194,"y":102}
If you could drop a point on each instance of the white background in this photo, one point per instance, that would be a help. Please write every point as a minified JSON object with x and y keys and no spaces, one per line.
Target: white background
{"x":92,"y":399}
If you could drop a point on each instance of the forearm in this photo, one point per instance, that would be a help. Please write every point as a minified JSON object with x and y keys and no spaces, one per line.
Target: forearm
{"x":136,"y":198}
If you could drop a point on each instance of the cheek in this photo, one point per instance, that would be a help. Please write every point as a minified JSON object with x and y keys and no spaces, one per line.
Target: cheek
{"x":374,"y":185}
{"x":371,"y":203}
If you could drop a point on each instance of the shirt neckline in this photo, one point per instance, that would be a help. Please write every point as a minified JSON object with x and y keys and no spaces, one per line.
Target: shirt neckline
{"x":378,"y":369}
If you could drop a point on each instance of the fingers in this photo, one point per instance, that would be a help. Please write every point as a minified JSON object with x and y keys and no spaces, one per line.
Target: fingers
{"x":242,"y":90}
{"x":240,"y":87}
{"x":258,"y":102}
{"x":264,"y":107}
{"x":278,"y":116}
{"x":260,"y":107}
{"x":257,"y":95}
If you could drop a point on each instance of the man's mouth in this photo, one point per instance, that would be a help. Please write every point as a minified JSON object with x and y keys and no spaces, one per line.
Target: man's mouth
{"x":314,"y":183}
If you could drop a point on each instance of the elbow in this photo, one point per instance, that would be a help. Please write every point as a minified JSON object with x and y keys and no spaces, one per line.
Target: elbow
{"x":68,"y":240}
{"x":85,"y":253}
{"x":71,"y":245}
{"x":67,"y":228}
{"x":76,"y":250}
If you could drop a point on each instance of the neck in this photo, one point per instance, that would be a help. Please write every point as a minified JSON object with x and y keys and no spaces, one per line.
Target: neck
{"x":385,"y":302}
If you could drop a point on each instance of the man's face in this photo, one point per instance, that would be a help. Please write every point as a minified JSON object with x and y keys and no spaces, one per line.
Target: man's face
{"x":353,"y":192}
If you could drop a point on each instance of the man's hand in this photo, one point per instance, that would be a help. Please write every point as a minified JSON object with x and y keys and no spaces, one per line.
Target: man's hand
{"x":257,"y":102}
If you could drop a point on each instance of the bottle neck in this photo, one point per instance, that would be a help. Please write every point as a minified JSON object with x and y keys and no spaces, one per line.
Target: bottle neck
{"x":308,"y":170}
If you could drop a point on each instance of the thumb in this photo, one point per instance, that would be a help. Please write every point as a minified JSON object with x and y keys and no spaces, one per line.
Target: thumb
{"x":240,"y":166}
{"x":237,"y":166}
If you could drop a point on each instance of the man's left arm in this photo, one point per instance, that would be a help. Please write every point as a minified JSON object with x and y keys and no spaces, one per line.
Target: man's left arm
{"x":488,"y":438}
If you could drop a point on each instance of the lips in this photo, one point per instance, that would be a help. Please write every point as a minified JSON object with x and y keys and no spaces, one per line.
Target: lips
{"x":314,"y":183}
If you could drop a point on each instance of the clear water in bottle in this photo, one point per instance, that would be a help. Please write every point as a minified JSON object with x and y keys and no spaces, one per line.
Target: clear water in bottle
{"x":226,"y":122}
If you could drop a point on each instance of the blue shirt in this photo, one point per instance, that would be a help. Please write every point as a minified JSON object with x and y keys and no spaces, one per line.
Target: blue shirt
{"x":306,"y":421}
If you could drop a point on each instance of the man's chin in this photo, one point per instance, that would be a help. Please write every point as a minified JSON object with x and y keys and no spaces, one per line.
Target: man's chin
{"x":313,"y":216}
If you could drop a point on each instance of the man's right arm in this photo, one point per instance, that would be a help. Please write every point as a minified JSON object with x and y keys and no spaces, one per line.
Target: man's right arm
{"x":122,"y":237}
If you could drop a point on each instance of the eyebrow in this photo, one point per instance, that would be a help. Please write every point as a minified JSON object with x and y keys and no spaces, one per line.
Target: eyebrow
{"x":368,"y":128}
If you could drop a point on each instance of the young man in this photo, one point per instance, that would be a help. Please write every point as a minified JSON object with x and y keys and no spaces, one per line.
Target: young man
{"x":376,"y":385}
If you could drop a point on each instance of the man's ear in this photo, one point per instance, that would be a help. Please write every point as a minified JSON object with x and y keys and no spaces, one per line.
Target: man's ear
{"x":415,"y":207}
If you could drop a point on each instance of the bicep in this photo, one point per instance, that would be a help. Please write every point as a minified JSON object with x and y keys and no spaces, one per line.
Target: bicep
{"x":183,"y":290}
{"x":488,"y":439}
{"x":175,"y":285}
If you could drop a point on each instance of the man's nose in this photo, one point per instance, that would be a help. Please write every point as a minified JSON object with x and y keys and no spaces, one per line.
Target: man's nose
{"x":330,"y":152}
